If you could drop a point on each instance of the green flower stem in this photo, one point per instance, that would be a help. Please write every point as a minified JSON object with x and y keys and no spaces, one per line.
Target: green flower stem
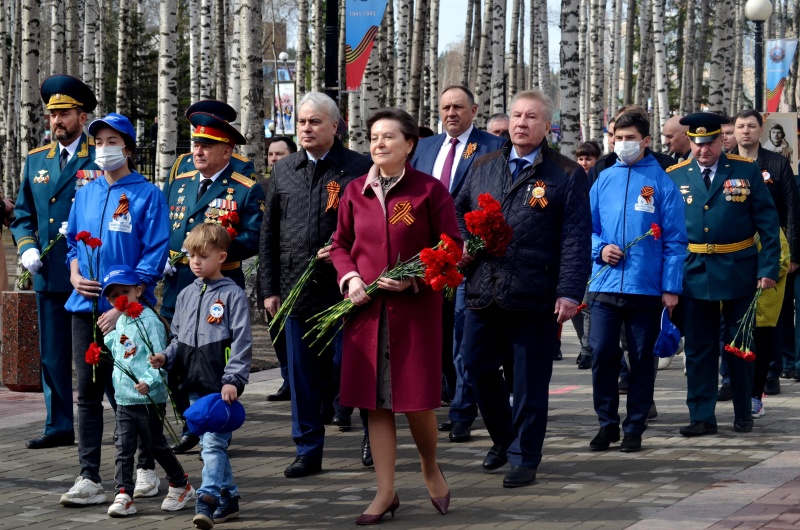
{"x":629,"y":245}
{"x":25,"y":276}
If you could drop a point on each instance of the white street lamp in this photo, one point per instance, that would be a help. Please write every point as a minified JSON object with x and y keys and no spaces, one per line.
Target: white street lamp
{"x":759,"y":11}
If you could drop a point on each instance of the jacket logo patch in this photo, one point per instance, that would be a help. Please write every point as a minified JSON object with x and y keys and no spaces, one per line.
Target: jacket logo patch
{"x":129,"y":345}
{"x":645,"y":201}
{"x":121,"y":220}
{"x":538,"y":195}
{"x":333,"y":188}
{"x":216,"y":312}
{"x":402,"y":212}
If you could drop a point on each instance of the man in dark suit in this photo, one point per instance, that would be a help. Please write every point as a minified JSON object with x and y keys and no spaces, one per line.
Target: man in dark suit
{"x":448,"y":156}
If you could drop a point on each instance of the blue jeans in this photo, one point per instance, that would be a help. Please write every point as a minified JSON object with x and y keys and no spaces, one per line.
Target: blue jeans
{"x":463,"y":407}
{"x":217,"y":472}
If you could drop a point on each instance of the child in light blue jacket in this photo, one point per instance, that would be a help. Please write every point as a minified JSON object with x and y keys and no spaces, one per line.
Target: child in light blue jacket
{"x":140,"y":406}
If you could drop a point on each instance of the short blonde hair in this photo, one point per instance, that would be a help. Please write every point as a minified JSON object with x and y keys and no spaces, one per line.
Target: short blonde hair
{"x":205,"y":236}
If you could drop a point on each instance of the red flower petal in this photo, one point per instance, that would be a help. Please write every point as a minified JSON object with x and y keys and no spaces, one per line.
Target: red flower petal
{"x":121,"y":303}
{"x":83,"y":236}
{"x":135,"y":309}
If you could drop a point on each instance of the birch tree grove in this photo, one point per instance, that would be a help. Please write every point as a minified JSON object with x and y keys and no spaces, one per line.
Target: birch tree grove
{"x":569,"y":77}
{"x":252,"y":82}
{"x":660,"y":64}
{"x":123,"y":72}
{"x":167,"y":88}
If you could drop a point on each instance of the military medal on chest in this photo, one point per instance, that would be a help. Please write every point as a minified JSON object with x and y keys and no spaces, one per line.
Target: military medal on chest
{"x":736,"y":190}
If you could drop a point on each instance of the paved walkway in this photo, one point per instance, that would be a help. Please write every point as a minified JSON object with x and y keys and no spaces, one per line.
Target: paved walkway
{"x":724,"y":481}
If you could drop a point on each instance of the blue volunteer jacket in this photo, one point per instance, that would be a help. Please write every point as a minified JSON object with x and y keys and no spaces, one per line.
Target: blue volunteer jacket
{"x":134,"y":230}
{"x":626,"y":201}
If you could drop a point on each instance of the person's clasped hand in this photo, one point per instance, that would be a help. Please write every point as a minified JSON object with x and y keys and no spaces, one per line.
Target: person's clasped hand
{"x":357,"y":291}
{"x":611,"y":254}
{"x":169,"y":269}
{"x":31,"y":260}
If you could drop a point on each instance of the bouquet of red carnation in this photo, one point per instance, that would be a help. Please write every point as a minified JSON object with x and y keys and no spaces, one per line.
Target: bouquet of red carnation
{"x":488,"y":228}
{"x":228,"y":221}
{"x":441,"y":272}
{"x":745,"y":333}
{"x":90,"y":246}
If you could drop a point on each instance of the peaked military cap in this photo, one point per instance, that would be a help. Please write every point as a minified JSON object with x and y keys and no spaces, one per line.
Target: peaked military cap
{"x":220,"y":109}
{"x":67,"y":92}
{"x":704,"y":127}
{"x":208,"y":129}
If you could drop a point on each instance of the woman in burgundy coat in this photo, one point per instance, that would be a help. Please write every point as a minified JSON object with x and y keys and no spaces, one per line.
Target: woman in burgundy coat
{"x":391,"y":357}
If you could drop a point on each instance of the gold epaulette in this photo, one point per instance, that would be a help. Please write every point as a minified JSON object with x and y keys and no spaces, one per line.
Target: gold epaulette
{"x":91,"y":140}
{"x":40,"y":149}
{"x":679,"y":164}
{"x":187,"y":174}
{"x":174,"y":170}
{"x":241,"y":179}
{"x":740,"y":158}
{"x":240,"y":157}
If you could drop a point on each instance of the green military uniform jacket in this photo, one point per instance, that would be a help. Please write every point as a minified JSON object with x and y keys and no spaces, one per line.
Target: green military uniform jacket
{"x":240,"y":164}
{"x":736,"y":207}
{"x":45,"y":198}
{"x":231,"y":191}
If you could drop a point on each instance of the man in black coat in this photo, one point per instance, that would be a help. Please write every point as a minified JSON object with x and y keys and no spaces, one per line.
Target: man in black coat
{"x":298,"y":223}
{"x":516,"y":302}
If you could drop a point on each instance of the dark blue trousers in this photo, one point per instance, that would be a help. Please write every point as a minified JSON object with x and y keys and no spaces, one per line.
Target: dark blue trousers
{"x":701,"y":328}
{"x":531,"y":338}
{"x":312,"y":384}
{"x":279,"y":344}
{"x":463,"y":407}
{"x":641,"y":327}
{"x":55,"y":347}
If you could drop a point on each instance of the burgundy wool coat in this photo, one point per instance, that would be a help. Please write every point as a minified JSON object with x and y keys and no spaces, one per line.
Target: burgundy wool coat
{"x":369,"y":239}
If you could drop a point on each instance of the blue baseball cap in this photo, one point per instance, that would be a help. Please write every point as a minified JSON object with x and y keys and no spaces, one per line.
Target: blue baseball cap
{"x":211,"y":414}
{"x":118,"y":122}
{"x":119,"y":275}
{"x":669,"y":338}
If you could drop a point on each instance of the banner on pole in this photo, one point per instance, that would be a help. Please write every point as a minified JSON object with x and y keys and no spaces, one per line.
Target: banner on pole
{"x":362,"y":24}
{"x":780,"y":55}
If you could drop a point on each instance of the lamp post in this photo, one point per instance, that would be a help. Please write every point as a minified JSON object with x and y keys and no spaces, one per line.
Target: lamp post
{"x":759,"y":11}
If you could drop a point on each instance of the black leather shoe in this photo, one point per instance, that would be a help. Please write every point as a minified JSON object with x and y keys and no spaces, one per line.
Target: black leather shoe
{"x":186,"y":443}
{"x":460,"y":433}
{"x":558,"y":356}
{"x":341,"y":420}
{"x":788,"y":374}
{"x":653,"y":412}
{"x":519,"y":476}
{"x":446,"y":426}
{"x":622,"y":386}
{"x":495,"y":458}
{"x":773,"y":386}
{"x":584,"y":362}
{"x":284,"y":393}
{"x":303,"y":466}
{"x":366,"y":452}
{"x":327,"y":414}
{"x":46,"y":441}
{"x":698,"y":428}
{"x":724,"y":393}
{"x":605,"y":437}
{"x":743,"y":425}
{"x":631,"y":443}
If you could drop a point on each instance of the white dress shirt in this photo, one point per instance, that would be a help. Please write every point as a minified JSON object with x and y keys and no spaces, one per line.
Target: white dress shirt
{"x":460,"y":146}
{"x":712,"y":168}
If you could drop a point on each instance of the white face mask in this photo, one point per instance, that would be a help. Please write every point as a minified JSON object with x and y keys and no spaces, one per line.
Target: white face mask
{"x":109,"y":158}
{"x":628,"y":150}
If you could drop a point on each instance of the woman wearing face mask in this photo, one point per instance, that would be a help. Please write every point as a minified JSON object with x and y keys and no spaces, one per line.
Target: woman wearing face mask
{"x":130,"y":217}
{"x":627,"y":199}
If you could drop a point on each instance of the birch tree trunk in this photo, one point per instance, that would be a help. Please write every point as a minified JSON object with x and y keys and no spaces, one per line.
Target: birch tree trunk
{"x":57,"y":36}
{"x":90,"y":27}
{"x":234,"y":73}
{"x":569,"y":77}
{"x":645,"y":39}
{"x":417,"y":59}
{"x":477,"y":36}
{"x":433,"y":97}
{"x":206,"y":38}
{"x":735,"y":102}
{"x":29,"y":77}
{"x":596,"y":69}
{"x":701,"y":56}
{"x":615,"y":44}
{"x":317,"y":56}
{"x":465,"y":72}
{"x":483,"y":85}
{"x":498,"y":53}
{"x":356,"y":130}
{"x":370,"y":91}
{"x":403,"y":48}
{"x":513,"y":51}
{"x":534,"y":45}
{"x":302,"y":47}
{"x":630,"y":34}
{"x":791,"y":85}
{"x":689,"y":49}
{"x":194,"y":53}
{"x":220,"y":56}
{"x":521,"y":72}
{"x":389,"y":65}
{"x":99,"y":59}
{"x":72,"y":32}
{"x":424,"y":107}
{"x":4,"y":70}
{"x":544,"y":47}
{"x":252,"y":27}
{"x":660,"y":63}
{"x":123,"y":70}
{"x":167,"y":89}
{"x":720,"y":48}
{"x":12,"y":165}
{"x":583,"y":65}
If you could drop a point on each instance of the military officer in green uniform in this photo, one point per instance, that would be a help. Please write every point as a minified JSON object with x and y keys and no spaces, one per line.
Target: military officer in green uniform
{"x":727,"y":206}
{"x":51,"y":175}
{"x":223,"y":111}
{"x":207,"y":193}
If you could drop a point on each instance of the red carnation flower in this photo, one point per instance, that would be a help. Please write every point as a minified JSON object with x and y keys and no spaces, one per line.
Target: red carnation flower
{"x":656,"y":230}
{"x":232,"y":232}
{"x":450,"y":246}
{"x":233,"y":217}
{"x":93,"y":242}
{"x":749,"y":356}
{"x":121,"y":303}
{"x":93,"y":354}
{"x":135,"y":309}
{"x":83,"y":236}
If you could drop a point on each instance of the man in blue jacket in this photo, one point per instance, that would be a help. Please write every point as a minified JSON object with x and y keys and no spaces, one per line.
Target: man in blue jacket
{"x":631,"y":286}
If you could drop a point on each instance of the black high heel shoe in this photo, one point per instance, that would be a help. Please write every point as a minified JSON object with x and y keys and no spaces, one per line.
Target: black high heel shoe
{"x":366,"y":519}
{"x":442,"y":503}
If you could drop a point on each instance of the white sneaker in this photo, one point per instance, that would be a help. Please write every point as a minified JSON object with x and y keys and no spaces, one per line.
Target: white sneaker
{"x":758,"y":408}
{"x":664,"y":362}
{"x":84,"y":492}
{"x":177,"y":498}
{"x":147,"y":483}
{"x":122,"y":507}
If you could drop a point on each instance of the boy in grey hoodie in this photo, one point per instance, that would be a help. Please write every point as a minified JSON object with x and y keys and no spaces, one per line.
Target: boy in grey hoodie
{"x":210,"y":352}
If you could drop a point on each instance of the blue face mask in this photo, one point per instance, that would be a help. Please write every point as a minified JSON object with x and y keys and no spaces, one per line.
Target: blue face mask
{"x":628,"y":150}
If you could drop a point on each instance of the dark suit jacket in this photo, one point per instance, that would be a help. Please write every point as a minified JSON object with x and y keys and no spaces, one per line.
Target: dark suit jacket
{"x":428,"y":149}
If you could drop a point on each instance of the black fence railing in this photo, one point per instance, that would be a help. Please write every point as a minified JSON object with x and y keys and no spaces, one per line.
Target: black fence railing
{"x":146,"y":158}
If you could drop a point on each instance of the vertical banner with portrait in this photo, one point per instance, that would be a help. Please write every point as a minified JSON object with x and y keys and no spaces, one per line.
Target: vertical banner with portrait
{"x":780,"y":136}
{"x":284,"y":109}
{"x":780,"y":55}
